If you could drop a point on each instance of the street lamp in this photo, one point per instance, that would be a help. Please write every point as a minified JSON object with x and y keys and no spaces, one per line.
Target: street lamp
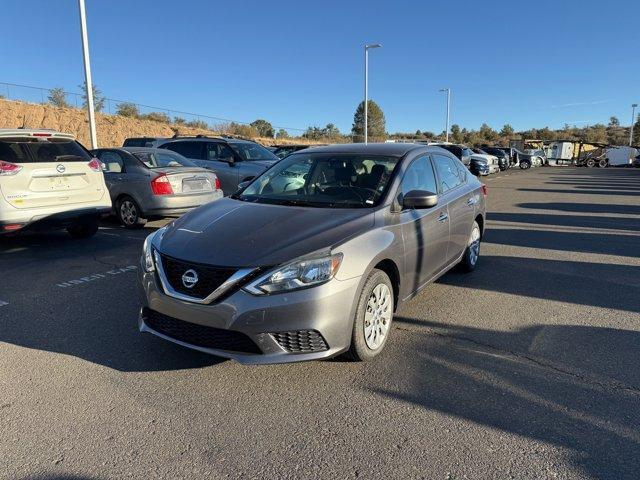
{"x":448,"y":91}
{"x":633,"y":121}
{"x":366,"y":88}
{"x":87,"y":74}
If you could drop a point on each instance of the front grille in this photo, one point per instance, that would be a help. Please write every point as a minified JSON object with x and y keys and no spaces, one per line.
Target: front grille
{"x":199,"y":335}
{"x":209,"y":278}
{"x":301,"y":341}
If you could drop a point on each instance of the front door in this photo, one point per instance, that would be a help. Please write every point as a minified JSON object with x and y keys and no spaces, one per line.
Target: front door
{"x":425,"y":232}
{"x":221,"y":159}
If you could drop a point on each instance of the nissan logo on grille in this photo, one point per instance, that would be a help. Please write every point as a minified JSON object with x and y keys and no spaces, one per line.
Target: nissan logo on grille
{"x":189,"y":278}
{"x":60,"y":168}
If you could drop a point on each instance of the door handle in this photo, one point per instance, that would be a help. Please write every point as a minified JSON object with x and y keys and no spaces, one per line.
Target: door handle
{"x":471,"y":202}
{"x":443,"y":217}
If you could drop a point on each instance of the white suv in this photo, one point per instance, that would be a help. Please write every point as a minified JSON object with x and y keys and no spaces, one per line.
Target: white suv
{"x":48,"y":180}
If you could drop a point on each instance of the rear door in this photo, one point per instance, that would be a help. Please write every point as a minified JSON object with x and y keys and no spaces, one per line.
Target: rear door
{"x":461,"y":201}
{"x":115,"y":174}
{"x":222,"y":160}
{"x":53,"y":172}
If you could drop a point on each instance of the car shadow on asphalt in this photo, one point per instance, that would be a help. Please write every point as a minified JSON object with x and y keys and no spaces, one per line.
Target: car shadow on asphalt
{"x":543,"y":382}
{"x":603,"y":208}
{"x":582,"y":221}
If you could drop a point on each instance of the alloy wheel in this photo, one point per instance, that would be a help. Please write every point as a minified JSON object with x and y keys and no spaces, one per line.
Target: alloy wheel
{"x":474,"y":245}
{"x":128,"y":212}
{"x":377,"y":317}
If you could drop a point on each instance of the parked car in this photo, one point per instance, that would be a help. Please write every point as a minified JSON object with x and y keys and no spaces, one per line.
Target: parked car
{"x":283,"y":272}
{"x":462,"y":152}
{"x":149,"y":182}
{"x":482,"y":163}
{"x":531,"y":157}
{"x":232,"y":160}
{"x":504,"y":160}
{"x":142,"y":141}
{"x":49,"y":181}
{"x":284,"y":150}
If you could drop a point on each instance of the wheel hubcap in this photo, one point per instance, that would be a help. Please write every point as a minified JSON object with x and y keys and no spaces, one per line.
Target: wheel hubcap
{"x":128,"y":212}
{"x":377,"y":317}
{"x":474,"y":245}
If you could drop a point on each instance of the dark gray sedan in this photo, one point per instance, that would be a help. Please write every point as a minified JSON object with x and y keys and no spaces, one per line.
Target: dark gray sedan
{"x":149,"y":182}
{"x":311,"y":259}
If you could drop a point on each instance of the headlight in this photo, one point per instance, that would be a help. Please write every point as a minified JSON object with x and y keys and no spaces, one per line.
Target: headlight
{"x":299,"y":274}
{"x":147,"y":249}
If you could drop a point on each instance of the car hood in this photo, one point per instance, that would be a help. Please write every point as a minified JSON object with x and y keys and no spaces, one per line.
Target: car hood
{"x":232,"y":233}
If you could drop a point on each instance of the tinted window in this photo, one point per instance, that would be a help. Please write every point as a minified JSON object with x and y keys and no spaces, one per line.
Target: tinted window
{"x":457,"y":151}
{"x":448,"y":172}
{"x":186,"y":149}
{"x":253,"y":151}
{"x":219,"y":151}
{"x":111,"y":161}
{"x":135,"y":142}
{"x":42,"y":150}
{"x":419,"y":176}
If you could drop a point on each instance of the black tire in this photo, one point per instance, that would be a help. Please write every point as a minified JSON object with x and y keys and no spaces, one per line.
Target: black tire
{"x":525,"y":164}
{"x":128,"y":212}
{"x":83,"y":230}
{"x":591,"y":163}
{"x":360,"y":349}
{"x":602,"y":163}
{"x":472,"y":252}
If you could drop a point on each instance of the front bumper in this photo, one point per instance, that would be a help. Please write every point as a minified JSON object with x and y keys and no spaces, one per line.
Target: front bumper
{"x":271,"y":322}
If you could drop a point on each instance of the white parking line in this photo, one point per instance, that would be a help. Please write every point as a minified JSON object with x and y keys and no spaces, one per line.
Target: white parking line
{"x":96,"y":276}
{"x":2,"y":304}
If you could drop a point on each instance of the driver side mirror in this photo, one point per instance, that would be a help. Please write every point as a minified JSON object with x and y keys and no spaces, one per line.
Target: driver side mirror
{"x":245,"y":184}
{"x":420,"y":199}
{"x":230,"y":160}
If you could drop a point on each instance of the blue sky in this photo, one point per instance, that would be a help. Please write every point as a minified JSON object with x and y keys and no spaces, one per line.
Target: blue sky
{"x":531,"y":64}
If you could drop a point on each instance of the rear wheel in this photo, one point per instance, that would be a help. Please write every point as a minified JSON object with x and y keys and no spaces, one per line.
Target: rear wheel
{"x":602,"y":163}
{"x":83,"y":230}
{"x":472,"y":252}
{"x":591,"y":163}
{"x":372,"y":325}
{"x":129,"y":213}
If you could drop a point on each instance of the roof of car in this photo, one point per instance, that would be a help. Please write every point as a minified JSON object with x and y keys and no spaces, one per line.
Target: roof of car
{"x":144,"y":149}
{"x":33,"y":132}
{"x":393,"y":149}
{"x":203,"y":138}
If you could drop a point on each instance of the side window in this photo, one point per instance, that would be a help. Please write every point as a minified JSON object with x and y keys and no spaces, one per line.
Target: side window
{"x":419,"y":176}
{"x":186,"y":149}
{"x":448,"y":172}
{"x":112,"y":161}
{"x":219,"y":151}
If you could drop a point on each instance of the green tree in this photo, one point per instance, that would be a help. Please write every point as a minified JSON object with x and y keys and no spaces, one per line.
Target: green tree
{"x":157,"y":117}
{"x":197,"y":124}
{"x":57,"y":97}
{"x":507,"y":131}
{"x":456,"y":134}
{"x":636,"y":132}
{"x":128,"y":109}
{"x":487,"y":134}
{"x":376,"y":123}
{"x":313,"y":133}
{"x":264,"y":128}
{"x":614,"y":122}
{"x":330,"y":131}
{"x":179,"y":121}
{"x":282,"y":133}
{"x":98,"y":99}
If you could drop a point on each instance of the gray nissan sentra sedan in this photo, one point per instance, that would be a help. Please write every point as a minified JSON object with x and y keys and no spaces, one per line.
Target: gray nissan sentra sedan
{"x":311,"y":259}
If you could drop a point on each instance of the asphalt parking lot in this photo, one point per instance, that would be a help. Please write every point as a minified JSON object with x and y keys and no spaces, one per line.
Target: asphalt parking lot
{"x":527,"y":368}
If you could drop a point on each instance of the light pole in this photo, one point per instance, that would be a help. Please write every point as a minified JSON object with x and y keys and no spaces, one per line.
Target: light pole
{"x":633,"y":121}
{"x":448,"y":91}
{"x":366,"y":88}
{"x":87,"y":74}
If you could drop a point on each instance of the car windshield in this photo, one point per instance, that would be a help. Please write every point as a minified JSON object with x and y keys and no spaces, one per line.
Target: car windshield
{"x":42,"y":150}
{"x":253,"y":151}
{"x":162,"y":159}
{"x":323,"y":180}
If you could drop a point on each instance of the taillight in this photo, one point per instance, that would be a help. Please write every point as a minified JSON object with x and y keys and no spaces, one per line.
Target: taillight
{"x":217,"y":183}
{"x":95,"y":165}
{"x":161,"y":186}
{"x":11,"y":227}
{"x":484,"y":190}
{"x":7,"y":168}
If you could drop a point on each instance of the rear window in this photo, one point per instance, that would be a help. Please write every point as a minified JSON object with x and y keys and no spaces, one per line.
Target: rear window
{"x":42,"y":150}
{"x":137,"y":142}
{"x":160,"y":160}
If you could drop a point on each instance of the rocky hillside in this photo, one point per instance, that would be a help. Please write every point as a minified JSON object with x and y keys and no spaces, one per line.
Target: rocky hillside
{"x":111,"y":129}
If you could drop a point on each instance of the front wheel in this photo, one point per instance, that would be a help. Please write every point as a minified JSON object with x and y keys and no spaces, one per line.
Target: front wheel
{"x":372,"y":325}
{"x":472,"y":252}
{"x":591,"y":163}
{"x":602,"y":163}
{"x":525,"y":164}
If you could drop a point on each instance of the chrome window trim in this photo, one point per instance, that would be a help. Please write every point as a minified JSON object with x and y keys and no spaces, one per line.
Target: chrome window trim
{"x":218,"y":292}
